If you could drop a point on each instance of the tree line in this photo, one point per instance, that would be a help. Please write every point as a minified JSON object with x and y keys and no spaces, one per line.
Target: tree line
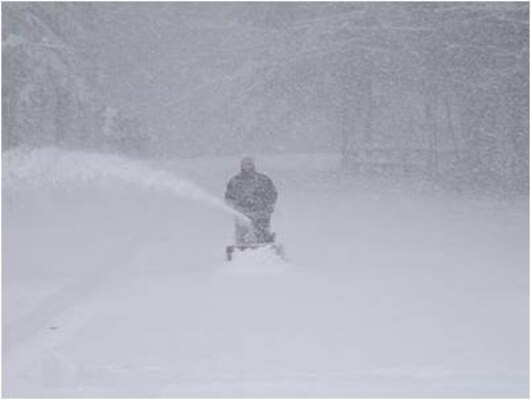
{"x":437,"y":89}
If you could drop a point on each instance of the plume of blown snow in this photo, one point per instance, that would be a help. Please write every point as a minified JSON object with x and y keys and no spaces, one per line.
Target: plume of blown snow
{"x":56,"y":167}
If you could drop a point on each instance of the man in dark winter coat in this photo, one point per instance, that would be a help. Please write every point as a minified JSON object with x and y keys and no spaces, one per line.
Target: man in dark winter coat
{"x":254,"y":195}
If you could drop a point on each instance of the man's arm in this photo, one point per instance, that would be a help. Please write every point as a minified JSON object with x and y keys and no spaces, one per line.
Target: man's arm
{"x":272,"y":195}
{"x":230,"y":193}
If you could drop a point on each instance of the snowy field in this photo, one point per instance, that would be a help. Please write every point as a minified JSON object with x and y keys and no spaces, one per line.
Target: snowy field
{"x":115,"y":284}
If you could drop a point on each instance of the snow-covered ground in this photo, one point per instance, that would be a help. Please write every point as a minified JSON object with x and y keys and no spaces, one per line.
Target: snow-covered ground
{"x":114,"y":284}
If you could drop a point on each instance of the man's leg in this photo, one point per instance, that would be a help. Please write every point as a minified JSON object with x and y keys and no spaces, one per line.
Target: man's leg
{"x":261,"y":227}
{"x":244,"y":234}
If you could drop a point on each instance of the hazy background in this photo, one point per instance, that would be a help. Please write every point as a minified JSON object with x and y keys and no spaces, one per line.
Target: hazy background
{"x":431,"y":89}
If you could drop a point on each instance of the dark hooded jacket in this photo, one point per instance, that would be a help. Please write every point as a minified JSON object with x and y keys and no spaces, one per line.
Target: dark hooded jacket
{"x":252,"y":193}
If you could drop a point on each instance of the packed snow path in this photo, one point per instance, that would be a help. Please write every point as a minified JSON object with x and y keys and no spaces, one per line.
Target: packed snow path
{"x":114,"y":290}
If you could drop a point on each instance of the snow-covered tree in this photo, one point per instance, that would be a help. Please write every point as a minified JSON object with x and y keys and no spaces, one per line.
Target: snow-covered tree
{"x":51,"y":67}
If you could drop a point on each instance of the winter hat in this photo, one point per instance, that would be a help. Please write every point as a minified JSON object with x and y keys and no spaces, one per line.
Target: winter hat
{"x":247,"y":162}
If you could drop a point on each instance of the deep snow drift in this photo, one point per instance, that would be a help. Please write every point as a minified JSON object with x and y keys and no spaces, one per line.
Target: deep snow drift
{"x":115,"y":285}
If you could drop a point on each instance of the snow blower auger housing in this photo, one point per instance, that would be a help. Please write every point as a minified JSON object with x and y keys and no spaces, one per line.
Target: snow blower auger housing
{"x":275,"y":248}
